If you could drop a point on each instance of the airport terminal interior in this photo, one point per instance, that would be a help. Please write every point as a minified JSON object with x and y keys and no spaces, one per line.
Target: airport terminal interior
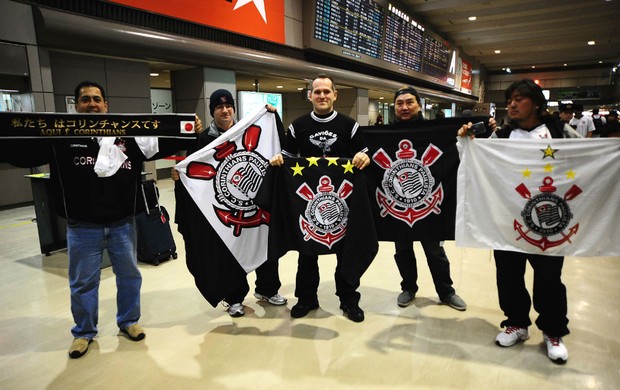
{"x":168,"y":57}
{"x":191,"y":345}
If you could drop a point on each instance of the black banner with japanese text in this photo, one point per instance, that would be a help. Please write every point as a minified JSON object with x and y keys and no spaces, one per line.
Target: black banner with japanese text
{"x":62,"y":125}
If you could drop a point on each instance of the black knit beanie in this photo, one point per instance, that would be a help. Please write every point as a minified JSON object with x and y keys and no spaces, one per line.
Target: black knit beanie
{"x":221,"y":96}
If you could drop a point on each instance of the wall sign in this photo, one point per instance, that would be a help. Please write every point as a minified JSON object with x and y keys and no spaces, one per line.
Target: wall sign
{"x":262,"y":19}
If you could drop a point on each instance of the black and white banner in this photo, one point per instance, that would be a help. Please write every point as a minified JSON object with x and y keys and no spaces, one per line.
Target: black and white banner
{"x":59,"y":125}
{"x":412,"y":179}
{"x":550,"y":196}
{"x":318,"y":206}
{"x":223,"y":179}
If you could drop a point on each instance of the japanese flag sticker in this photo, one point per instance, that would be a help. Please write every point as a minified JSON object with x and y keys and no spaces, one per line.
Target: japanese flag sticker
{"x":187,"y":127}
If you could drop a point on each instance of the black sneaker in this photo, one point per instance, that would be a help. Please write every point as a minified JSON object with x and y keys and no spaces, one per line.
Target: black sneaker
{"x":302,"y":309}
{"x":455,"y":302}
{"x":405,"y":298}
{"x":353,"y":312}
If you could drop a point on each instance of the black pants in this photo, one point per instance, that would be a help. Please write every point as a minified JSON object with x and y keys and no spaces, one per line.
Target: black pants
{"x":307,"y":282}
{"x":438,"y":264}
{"x":267,"y":283}
{"x":549,"y":291}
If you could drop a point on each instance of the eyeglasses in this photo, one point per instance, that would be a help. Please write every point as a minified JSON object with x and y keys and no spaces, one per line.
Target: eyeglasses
{"x":223,"y":107}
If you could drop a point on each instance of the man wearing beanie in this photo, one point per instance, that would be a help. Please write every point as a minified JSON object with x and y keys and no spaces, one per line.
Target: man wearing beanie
{"x":409,"y":114}
{"x":222,"y":109}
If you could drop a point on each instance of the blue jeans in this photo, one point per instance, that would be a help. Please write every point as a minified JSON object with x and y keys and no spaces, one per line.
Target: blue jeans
{"x":86,"y":242}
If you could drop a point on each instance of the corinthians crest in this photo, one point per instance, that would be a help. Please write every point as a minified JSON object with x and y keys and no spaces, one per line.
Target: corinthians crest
{"x":326,"y":215}
{"x":408,"y":193}
{"x":546,"y":216}
{"x":236,"y":180}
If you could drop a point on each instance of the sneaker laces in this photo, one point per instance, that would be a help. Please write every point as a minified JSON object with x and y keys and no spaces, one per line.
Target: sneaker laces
{"x":511,"y":329}
{"x":555,"y":341}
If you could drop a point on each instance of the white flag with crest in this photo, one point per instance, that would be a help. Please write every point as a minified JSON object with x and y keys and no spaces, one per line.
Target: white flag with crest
{"x":223,"y":179}
{"x":550,"y":196}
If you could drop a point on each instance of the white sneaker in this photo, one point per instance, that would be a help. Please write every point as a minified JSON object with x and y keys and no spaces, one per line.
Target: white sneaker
{"x":556,"y":350}
{"x":236,"y":310}
{"x":277,"y":299}
{"x":511,"y":336}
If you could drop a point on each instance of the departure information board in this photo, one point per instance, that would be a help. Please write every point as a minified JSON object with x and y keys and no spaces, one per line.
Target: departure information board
{"x":354,"y":25}
{"x":379,"y":33}
{"x":403,"y":42}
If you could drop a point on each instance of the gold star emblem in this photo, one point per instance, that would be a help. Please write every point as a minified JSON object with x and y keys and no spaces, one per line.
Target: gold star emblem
{"x":570,"y":174}
{"x":332,"y":161}
{"x":548,"y":168}
{"x":313,"y":161}
{"x":549,"y":152}
{"x":348,"y":167}
{"x":526,"y":173}
{"x":297,"y":169}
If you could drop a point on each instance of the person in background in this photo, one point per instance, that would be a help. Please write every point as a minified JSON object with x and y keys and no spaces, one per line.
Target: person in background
{"x":583,"y":124}
{"x":599,"y":122}
{"x":527,"y":110}
{"x":222,"y":109}
{"x":611,"y":128}
{"x":342,"y":139}
{"x":565,"y":116}
{"x":379,"y":120}
{"x":409,"y":115}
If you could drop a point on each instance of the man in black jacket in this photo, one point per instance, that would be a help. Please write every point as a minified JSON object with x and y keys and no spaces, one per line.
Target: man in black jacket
{"x":96,"y":180}
{"x":222,"y":109}
{"x":408,"y":114}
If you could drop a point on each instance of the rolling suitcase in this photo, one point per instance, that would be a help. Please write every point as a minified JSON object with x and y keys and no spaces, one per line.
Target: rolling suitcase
{"x":155,"y":241}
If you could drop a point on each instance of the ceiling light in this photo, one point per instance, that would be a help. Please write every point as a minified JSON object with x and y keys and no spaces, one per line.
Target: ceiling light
{"x":508,"y":70}
{"x":533,"y":66}
{"x":565,"y":64}
{"x":497,"y":51}
{"x":472,"y":18}
{"x":381,"y":98}
{"x":300,"y":88}
{"x":154,"y":74}
{"x":279,"y":86}
{"x":591,"y":43}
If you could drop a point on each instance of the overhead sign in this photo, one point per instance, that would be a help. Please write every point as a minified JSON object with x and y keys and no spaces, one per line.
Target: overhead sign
{"x":262,"y":19}
{"x":466,"y":84}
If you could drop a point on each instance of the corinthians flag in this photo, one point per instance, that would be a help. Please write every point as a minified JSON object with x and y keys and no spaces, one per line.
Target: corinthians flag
{"x":549,"y":196}
{"x":412,"y":179}
{"x":225,"y":232}
{"x":318,"y":206}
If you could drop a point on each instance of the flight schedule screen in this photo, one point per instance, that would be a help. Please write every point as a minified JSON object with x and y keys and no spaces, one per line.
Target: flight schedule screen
{"x":378,"y":33}
{"x":355,"y":25}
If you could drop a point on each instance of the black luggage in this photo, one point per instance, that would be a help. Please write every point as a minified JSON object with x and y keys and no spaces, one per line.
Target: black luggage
{"x":155,"y":241}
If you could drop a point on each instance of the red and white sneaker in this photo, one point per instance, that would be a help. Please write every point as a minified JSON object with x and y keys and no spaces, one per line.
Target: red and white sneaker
{"x":511,"y":336}
{"x":556,"y":350}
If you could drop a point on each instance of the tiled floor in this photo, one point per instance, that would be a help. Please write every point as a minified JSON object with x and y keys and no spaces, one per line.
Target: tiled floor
{"x":191,"y":345}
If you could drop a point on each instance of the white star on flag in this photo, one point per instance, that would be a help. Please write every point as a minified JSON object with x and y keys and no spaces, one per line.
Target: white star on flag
{"x":260,"y":6}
